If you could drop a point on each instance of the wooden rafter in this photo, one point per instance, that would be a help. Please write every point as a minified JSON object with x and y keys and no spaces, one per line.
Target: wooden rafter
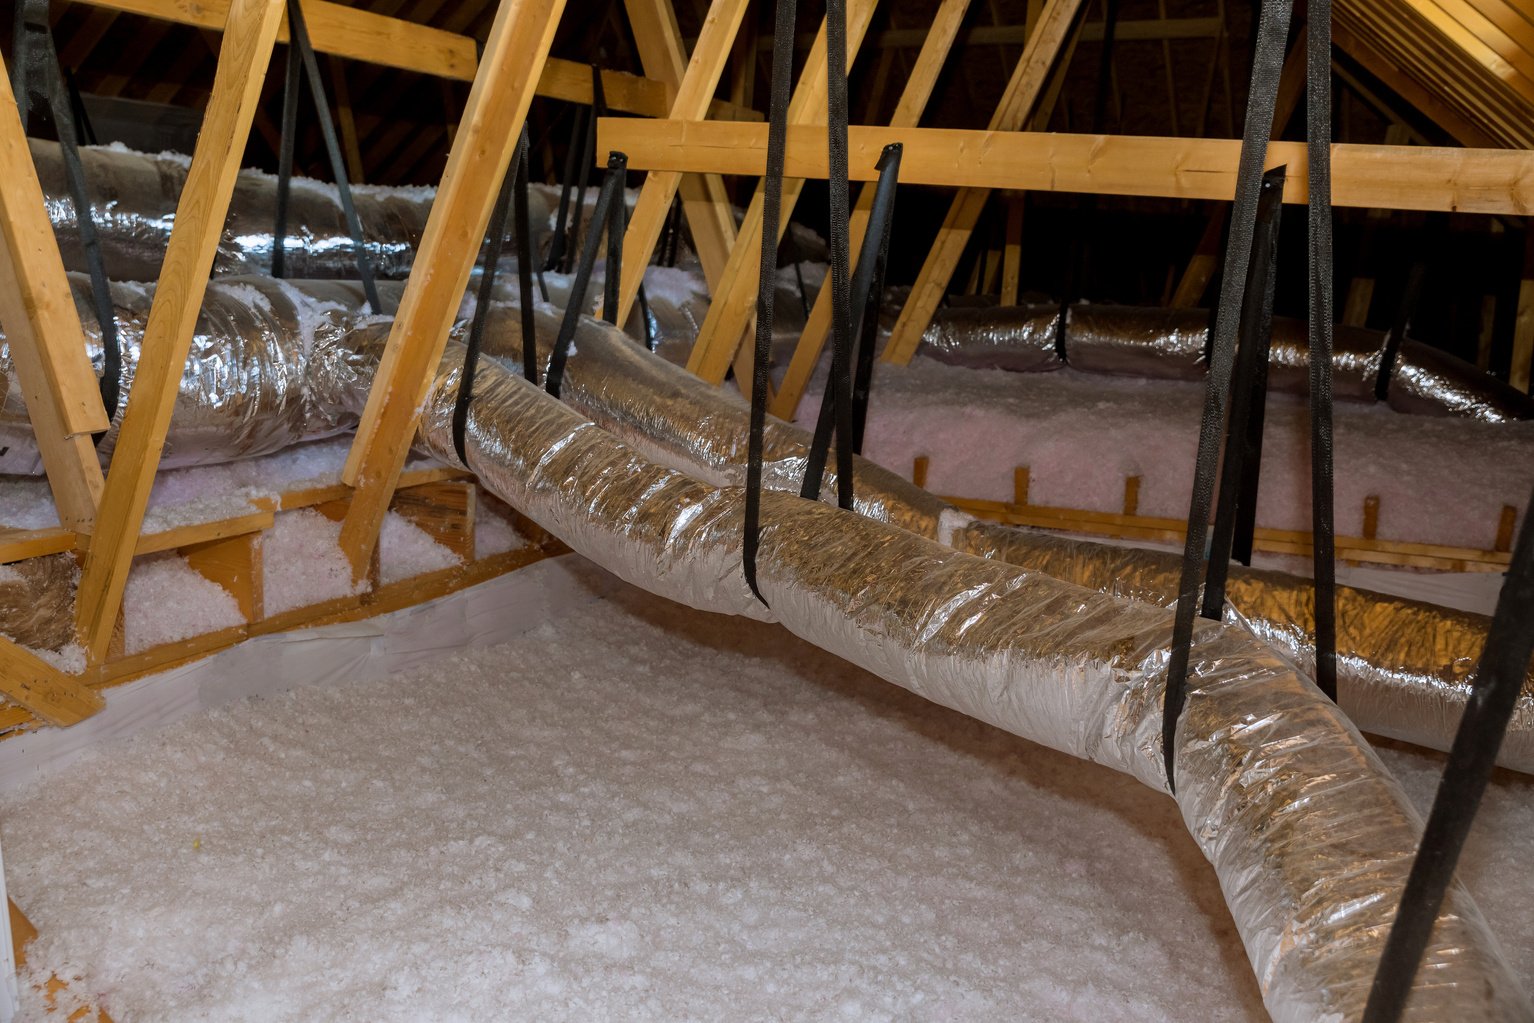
{"x":1017,"y":104}
{"x":707,"y":206}
{"x":730,"y":312}
{"x":503,"y":89}
{"x":393,"y":42}
{"x":1497,"y":181}
{"x":38,"y":310}
{"x":913,"y":100}
{"x":249,"y":34}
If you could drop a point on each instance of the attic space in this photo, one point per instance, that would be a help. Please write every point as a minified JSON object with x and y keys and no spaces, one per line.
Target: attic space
{"x":699,"y":509}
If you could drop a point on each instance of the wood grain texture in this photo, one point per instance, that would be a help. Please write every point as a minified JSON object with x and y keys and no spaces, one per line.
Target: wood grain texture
{"x":497,"y":106}
{"x":244,"y":57}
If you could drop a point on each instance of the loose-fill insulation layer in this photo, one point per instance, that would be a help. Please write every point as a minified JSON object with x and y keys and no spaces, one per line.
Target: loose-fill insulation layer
{"x":1310,"y":837}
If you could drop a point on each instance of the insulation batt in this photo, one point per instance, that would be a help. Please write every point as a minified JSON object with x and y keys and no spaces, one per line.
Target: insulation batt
{"x":1309,"y":835}
{"x":1404,"y":666}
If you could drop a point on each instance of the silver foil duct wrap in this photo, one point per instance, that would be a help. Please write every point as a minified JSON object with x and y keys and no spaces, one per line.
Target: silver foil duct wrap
{"x":1309,"y":836}
{"x":1404,"y":665}
{"x":1168,"y":344}
{"x":269,"y":367}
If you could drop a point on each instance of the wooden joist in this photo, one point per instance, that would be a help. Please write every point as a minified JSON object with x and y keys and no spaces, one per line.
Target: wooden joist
{"x":481,"y":153}
{"x":704,"y":200}
{"x":1497,"y":181}
{"x":245,"y":55}
{"x":33,"y":683}
{"x":913,"y":100}
{"x":733,"y":302}
{"x":358,"y":34}
{"x":38,"y":310}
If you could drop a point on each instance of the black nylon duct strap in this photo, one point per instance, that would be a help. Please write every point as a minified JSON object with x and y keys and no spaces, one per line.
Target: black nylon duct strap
{"x":612,"y":184}
{"x":84,"y":133}
{"x":1493,"y":697}
{"x":573,"y":166}
{"x":772,"y":208}
{"x":1243,"y":445}
{"x":483,"y":299}
{"x":583,"y":174}
{"x":1398,"y":329}
{"x":1272,"y":32}
{"x":868,"y":291}
{"x":523,"y":163}
{"x":302,"y":61}
{"x":617,"y":223}
{"x":841,"y":210}
{"x":38,"y":75}
{"x":867,"y":287}
{"x":1318,"y":116}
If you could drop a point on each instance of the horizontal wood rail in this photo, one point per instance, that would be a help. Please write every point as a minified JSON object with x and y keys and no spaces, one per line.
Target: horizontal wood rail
{"x":1146,"y":29}
{"x":394,"y":42}
{"x":1499,"y":181}
{"x":1128,"y":524}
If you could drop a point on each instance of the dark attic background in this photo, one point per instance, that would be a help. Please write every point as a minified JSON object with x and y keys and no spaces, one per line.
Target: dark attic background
{"x":1172,"y":67}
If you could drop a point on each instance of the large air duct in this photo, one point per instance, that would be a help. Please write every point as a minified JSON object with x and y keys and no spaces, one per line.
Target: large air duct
{"x":1310,"y":837}
{"x":274,"y":363}
{"x":1404,"y":666}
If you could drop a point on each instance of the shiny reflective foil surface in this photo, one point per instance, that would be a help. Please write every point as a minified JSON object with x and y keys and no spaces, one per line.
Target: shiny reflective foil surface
{"x":1169,"y":344}
{"x":1309,"y":836}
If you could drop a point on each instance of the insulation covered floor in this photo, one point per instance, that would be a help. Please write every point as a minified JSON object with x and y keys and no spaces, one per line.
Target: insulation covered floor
{"x":639,"y":812}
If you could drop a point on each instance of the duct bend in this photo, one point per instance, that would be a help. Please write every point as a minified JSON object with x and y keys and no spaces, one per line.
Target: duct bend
{"x":1403,"y":668}
{"x":1169,"y":344}
{"x":1310,"y":837}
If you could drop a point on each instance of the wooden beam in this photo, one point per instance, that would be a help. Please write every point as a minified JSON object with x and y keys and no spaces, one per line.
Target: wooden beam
{"x":913,"y":100}
{"x":733,"y":304}
{"x":1132,"y":30}
{"x":38,"y":310}
{"x":1012,"y":254}
{"x":243,"y":59}
{"x":1017,"y":103}
{"x":455,"y":229}
{"x":1496,"y":181}
{"x":393,"y":42}
{"x":47,"y":692}
{"x":705,"y":202}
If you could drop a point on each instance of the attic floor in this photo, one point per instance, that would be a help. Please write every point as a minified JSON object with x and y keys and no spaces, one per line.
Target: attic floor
{"x":639,"y":812}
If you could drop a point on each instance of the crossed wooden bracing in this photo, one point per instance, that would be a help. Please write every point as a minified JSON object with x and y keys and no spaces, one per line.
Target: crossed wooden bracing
{"x":690,"y":139}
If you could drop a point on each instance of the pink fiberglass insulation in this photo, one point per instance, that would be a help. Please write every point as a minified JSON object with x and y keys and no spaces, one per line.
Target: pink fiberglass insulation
{"x":1439,"y":480}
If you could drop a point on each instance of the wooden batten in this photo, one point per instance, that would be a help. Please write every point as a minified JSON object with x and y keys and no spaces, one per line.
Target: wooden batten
{"x":481,"y":153}
{"x":249,"y":35}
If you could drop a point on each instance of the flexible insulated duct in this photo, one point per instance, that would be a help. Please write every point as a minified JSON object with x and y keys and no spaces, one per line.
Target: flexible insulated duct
{"x":273,"y":364}
{"x":1169,"y":344}
{"x":1310,"y":837}
{"x":1404,"y":666}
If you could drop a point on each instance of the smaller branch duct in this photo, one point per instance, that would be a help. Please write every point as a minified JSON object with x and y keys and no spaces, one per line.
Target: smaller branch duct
{"x":1170,"y":344}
